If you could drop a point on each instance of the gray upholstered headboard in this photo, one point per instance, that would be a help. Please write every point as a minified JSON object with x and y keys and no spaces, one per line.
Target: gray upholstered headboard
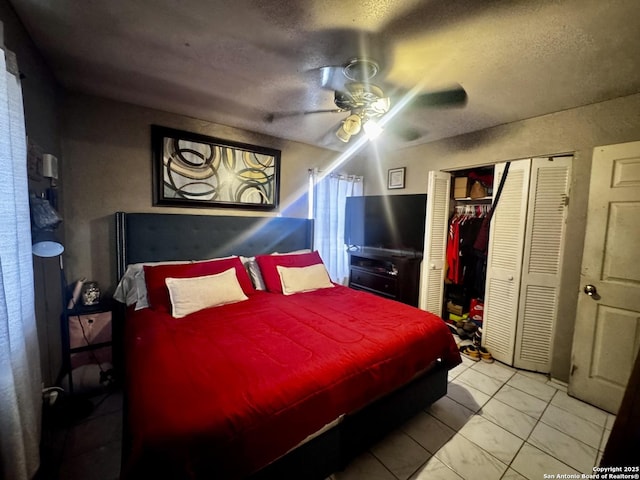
{"x":153,"y":237}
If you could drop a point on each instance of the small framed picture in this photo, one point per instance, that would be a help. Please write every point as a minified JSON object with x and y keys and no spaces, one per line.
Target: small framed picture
{"x":396,"y":178}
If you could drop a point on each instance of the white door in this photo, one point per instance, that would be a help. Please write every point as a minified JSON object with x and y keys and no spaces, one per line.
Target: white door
{"x":504,"y":261}
{"x":435,"y":244}
{"x":543,"y":251}
{"x":607,"y":329}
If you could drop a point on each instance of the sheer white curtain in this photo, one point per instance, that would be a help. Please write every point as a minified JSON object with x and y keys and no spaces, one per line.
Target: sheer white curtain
{"x":20,"y":377}
{"x":330,"y":196}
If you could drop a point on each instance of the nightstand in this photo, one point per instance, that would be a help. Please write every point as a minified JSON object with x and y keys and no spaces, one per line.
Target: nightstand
{"x":87,"y":340}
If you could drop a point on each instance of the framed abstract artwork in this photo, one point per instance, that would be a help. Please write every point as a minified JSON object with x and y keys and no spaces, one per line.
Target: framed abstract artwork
{"x":194,"y":170}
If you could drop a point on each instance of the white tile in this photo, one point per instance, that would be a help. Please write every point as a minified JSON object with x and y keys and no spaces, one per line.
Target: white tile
{"x":567,"y":449}
{"x":400,"y":454}
{"x":511,"y":474}
{"x":469,"y":461}
{"x":539,"y":377}
{"x":492,"y":438}
{"x":509,"y":418}
{"x":450,"y":413}
{"x":480,"y":381}
{"x":467,"y":361}
{"x":534,"y":463}
{"x":495,"y":370}
{"x":102,"y":463}
{"x":93,"y":433}
{"x":522,"y":401}
{"x":428,"y":431}
{"x":365,"y":466}
{"x":610,"y":421}
{"x":599,"y":458}
{"x":532,"y":386}
{"x":572,"y":425}
{"x":557,"y":384}
{"x":466,"y":395}
{"x":106,"y":403}
{"x":454,"y":372}
{"x":581,"y":409}
{"x":605,"y":439}
{"x":434,"y":469}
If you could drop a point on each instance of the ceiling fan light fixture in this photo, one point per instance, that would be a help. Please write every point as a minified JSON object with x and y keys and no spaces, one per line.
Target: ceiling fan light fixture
{"x":367,"y":104}
{"x":372,"y":129}
{"x":352,"y":124}
{"x":342,"y":135}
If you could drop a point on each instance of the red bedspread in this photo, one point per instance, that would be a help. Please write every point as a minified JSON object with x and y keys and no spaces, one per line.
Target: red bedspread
{"x":222,"y":392}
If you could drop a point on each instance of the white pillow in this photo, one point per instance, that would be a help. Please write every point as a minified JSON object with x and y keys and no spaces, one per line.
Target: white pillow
{"x":254,"y":270}
{"x":303,"y":279}
{"x":133,"y":287}
{"x":189,"y":295}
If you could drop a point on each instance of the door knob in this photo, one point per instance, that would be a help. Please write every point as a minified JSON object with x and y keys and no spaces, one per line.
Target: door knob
{"x":590,"y":290}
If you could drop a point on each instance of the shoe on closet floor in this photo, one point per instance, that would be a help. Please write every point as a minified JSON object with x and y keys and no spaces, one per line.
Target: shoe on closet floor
{"x":485,"y":355}
{"x":470,"y":351}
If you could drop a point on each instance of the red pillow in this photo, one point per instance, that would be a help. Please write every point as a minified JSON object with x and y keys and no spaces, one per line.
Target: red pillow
{"x":268,"y":266}
{"x":158,"y":294}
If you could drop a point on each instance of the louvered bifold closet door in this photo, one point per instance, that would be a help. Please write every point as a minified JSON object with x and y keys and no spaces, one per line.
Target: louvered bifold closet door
{"x":504,"y":261}
{"x":543,"y":250}
{"x":435,"y":243}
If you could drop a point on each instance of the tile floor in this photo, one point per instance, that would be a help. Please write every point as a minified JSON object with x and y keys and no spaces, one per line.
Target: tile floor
{"x":495,"y":423}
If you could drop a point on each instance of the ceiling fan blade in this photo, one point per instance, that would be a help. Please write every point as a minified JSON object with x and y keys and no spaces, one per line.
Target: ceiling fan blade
{"x":453,"y":97}
{"x":408,"y":134}
{"x":404,"y":131}
{"x":332,"y":78}
{"x":271,"y":117}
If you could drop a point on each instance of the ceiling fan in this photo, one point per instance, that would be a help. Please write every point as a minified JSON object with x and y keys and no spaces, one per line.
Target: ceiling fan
{"x":367,"y":102}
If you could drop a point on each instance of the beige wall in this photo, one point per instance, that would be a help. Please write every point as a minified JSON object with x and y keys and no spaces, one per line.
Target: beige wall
{"x":107,"y":168}
{"x":575,"y":131}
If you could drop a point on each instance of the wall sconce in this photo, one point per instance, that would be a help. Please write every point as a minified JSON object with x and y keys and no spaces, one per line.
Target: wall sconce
{"x":50,"y":171}
{"x":50,"y":167}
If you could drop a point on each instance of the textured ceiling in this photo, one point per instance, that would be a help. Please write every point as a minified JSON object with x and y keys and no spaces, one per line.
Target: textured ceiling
{"x":235,"y":62}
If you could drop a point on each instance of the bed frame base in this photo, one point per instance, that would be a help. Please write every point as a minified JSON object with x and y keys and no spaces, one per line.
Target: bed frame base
{"x":334,"y":449}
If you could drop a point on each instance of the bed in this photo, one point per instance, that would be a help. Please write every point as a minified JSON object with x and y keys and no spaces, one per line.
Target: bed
{"x":291,"y":379}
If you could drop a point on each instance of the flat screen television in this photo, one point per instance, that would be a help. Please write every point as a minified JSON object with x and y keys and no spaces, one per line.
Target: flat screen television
{"x":386,"y":221}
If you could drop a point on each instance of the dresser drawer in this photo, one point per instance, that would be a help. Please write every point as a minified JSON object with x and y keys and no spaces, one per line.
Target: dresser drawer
{"x":371,"y":281}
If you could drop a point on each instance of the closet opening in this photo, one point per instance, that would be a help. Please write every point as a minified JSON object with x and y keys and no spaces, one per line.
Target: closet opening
{"x":466,"y":249}
{"x":502,"y":276}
